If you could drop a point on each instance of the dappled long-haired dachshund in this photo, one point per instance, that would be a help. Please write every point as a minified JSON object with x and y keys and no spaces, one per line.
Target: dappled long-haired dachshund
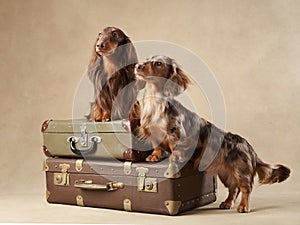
{"x":173,"y":128}
{"x":111,"y":68}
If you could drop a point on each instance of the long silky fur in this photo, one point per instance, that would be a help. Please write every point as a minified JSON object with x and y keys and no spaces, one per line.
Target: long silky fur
{"x":190,"y":137}
{"x":109,"y":77}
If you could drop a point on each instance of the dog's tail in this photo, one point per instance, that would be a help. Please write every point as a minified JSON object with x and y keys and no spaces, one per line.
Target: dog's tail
{"x":269,"y":175}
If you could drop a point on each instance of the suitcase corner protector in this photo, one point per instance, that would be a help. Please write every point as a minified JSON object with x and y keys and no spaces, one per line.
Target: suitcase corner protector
{"x":45,"y":125}
{"x":45,"y":166}
{"x":173,"y":207}
{"x":79,"y":200}
{"x":46,"y":151}
{"x":172,"y":171}
{"x":48,"y":193}
{"x":127,"y":205}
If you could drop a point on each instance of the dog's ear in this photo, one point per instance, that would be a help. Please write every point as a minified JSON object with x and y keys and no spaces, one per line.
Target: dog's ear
{"x":95,"y":64}
{"x":178,"y":81}
{"x":95,"y":55}
{"x":130,"y":55}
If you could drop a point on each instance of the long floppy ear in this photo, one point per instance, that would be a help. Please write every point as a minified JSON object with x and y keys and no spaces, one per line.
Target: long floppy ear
{"x":95,"y":55}
{"x":130,"y":56}
{"x":94,"y":66}
{"x":178,"y":82}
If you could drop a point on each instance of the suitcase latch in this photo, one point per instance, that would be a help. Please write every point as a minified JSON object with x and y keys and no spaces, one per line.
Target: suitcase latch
{"x":63,"y":178}
{"x":145,"y":184}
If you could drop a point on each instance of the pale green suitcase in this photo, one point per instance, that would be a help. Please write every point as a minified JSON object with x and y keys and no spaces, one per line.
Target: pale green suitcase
{"x":81,"y":138}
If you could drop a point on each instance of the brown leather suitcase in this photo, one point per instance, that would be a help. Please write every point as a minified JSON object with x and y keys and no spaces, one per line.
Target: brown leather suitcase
{"x":132,"y":186}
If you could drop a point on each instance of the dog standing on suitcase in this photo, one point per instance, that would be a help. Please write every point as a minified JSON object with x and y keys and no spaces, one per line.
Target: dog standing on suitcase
{"x":173,"y":128}
{"x":111,"y":69}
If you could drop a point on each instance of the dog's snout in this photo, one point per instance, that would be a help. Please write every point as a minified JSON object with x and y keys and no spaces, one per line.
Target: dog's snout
{"x":101,"y":45}
{"x":139,"y":66}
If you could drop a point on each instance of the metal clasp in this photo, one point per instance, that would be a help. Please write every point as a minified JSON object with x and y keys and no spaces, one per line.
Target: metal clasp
{"x":84,"y":136}
{"x":141,"y":177}
{"x":144,"y":183}
{"x":63,"y":178}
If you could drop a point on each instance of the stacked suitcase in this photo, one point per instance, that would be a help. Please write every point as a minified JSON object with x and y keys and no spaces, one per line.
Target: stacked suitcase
{"x":101,"y":164}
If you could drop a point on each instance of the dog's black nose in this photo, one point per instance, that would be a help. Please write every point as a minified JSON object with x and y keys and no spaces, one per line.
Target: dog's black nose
{"x":101,"y":45}
{"x":139,"y":66}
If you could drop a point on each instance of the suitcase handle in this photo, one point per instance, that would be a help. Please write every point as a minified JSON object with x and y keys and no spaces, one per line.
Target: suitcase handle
{"x":89,"y":185}
{"x":94,"y":140}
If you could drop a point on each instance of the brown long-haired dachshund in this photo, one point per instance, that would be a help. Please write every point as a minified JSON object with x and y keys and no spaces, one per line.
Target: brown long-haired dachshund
{"x":111,"y":69}
{"x":173,"y":128}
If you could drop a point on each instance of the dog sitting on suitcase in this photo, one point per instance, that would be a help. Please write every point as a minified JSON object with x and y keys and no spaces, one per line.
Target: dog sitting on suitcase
{"x":111,"y":69}
{"x":173,"y":128}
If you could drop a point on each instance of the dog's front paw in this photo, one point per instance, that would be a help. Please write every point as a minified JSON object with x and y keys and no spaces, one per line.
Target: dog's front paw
{"x":225,"y":205}
{"x":243,"y":209}
{"x":153,"y":158}
{"x":106,"y":117}
{"x":157,"y":155}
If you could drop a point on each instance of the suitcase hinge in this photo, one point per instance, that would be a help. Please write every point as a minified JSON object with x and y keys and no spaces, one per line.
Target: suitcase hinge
{"x":63,"y":178}
{"x":145,"y":184}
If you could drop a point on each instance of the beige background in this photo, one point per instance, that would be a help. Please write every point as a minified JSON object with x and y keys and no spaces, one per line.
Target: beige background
{"x":252,"y":47}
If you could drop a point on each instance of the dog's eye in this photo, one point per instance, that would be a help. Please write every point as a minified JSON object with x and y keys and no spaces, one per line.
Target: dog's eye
{"x":100,"y":35}
{"x":115,"y":34}
{"x":158,"y":63}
